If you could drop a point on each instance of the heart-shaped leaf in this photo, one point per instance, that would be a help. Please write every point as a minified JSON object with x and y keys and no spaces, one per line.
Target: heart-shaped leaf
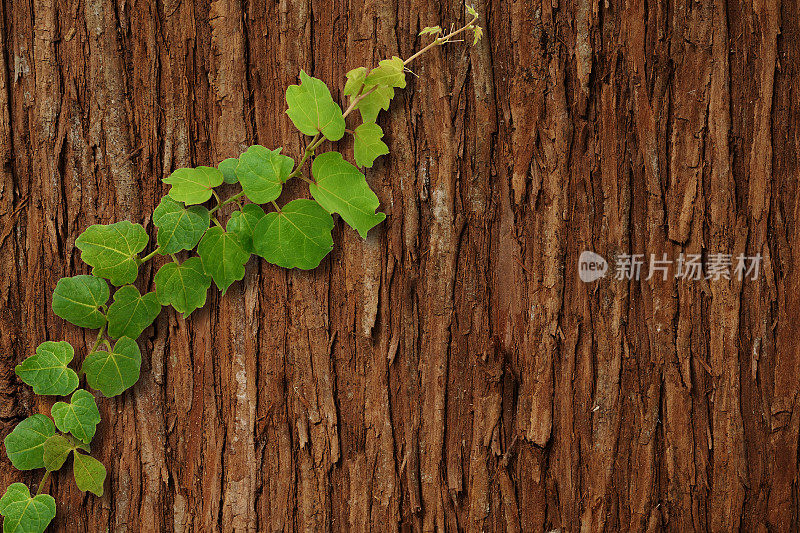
{"x":389,"y":72}
{"x":193,"y":185}
{"x":373,"y":101}
{"x":223,"y":257}
{"x":47,"y":371}
{"x":262,"y":173}
{"x":78,"y":300}
{"x":183,"y":286}
{"x":179,"y":227}
{"x":340,"y":188}
{"x":56,"y":450}
{"x":90,"y":474}
{"x":112,"y":250}
{"x":367,"y":144}
{"x":243,"y":223}
{"x":24,"y":514}
{"x":313,"y":110}
{"x":131,"y":312}
{"x":79,"y":417}
{"x":115,"y":371}
{"x":298,"y":236}
{"x":25,"y":444}
{"x":228,"y":169}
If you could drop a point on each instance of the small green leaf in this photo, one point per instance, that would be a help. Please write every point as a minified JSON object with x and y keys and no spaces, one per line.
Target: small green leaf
{"x":355,"y":81}
{"x":471,"y":10}
{"x":78,"y":300}
{"x":113,"y":372}
{"x":374,"y":101}
{"x":23,"y":514}
{"x":79,"y":417}
{"x":430,"y":30}
{"x":389,"y":72}
{"x":297,"y":236}
{"x":25,"y":445}
{"x":47,"y":371}
{"x":183,"y":286}
{"x":193,"y":185}
{"x":262,"y":172}
{"x":340,"y":188}
{"x":90,"y":474}
{"x":112,"y":250}
{"x":243,"y":223}
{"x":312,"y":109}
{"x":223,"y":257}
{"x":179,"y":227}
{"x":56,"y":450}
{"x":131,"y":312}
{"x":368,"y":145}
{"x":228,"y":169}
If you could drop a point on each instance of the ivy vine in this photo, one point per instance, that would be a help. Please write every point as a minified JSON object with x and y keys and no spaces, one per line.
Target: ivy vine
{"x":295,"y":235}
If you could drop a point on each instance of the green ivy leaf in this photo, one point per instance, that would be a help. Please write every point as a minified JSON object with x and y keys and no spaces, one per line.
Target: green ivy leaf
{"x":113,"y":372}
{"x":179,"y":227}
{"x":243,"y":223}
{"x":223,"y":257}
{"x":228,"y":169}
{"x":340,"y":188}
{"x":313,"y":110}
{"x":193,"y":185}
{"x":24,"y":514}
{"x":78,"y":300}
{"x":299,"y":235}
{"x":112,"y":250}
{"x":56,"y":450}
{"x":368,"y":144}
{"x":389,"y":72}
{"x":355,"y":81}
{"x":433,"y":30}
{"x":89,"y":473}
{"x":79,"y":417}
{"x":131,"y":312}
{"x":183,"y":286}
{"x":25,"y":445}
{"x":47,"y":371}
{"x":262,"y":172}
{"x":374,"y":101}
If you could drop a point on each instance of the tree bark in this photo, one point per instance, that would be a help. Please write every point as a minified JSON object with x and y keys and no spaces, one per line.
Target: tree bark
{"x":451,"y":372}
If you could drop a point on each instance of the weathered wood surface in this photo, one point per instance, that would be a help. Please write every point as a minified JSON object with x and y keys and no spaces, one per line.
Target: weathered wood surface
{"x":451,"y":372}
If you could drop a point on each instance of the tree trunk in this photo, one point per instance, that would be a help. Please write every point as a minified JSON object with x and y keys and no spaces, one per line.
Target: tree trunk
{"x":452,"y":372}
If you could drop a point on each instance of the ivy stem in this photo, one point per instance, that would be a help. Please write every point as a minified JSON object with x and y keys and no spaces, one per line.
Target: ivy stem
{"x":226,"y":202}
{"x":99,"y":337}
{"x":45,"y":477}
{"x":216,"y":222}
{"x":149,"y":256}
{"x":441,"y":40}
{"x":275,"y":205}
{"x":306,"y":154}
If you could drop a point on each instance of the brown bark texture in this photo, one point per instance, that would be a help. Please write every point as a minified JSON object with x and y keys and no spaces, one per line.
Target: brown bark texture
{"x":451,"y":372}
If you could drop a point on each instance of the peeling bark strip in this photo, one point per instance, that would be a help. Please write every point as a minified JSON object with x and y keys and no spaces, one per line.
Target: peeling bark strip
{"x":451,"y":373}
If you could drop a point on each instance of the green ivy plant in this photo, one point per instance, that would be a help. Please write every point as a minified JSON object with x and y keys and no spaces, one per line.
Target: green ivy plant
{"x":295,"y":235}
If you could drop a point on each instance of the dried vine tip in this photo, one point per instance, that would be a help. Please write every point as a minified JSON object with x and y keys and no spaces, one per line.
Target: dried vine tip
{"x":477,"y":33}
